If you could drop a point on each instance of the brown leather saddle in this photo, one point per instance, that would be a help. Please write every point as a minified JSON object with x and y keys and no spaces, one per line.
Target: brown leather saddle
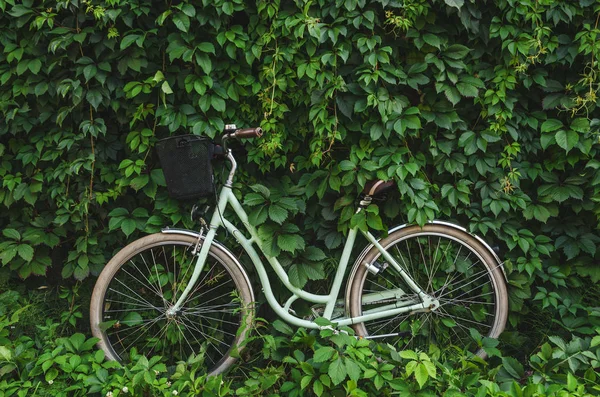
{"x":378,"y":187}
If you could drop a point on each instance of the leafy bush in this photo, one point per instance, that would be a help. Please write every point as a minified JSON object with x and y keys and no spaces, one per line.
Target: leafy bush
{"x":44,"y":362}
{"x":484,"y":113}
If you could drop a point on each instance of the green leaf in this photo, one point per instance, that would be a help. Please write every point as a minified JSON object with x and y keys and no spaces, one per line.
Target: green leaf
{"x":408,"y":354}
{"x":567,"y":139}
{"x":290,"y":242}
{"x":20,"y":10}
{"x":94,"y":97}
{"x":318,"y":388}
{"x":467,"y":90}
{"x":580,"y":125}
{"x":129,"y":40}
{"x":182,"y":21}
{"x":206,"y":47}
{"x":132,"y":319}
{"x":119,"y":211}
{"x":204,"y":62}
{"x":189,"y":10}
{"x":323,"y":354}
{"x":297,"y":276}
{"x":128,"y":226}
{"x":337,"y":371}
{"x":452,"y":95}
{"x":8,"y":253}
{"x":455,"y":3}
{"x":166,"y":88}
{"x":513,"y":367}
{"x":432,"y":40}
{"x":261,"y":189}
{"x":12,"y":234}
{"x":314,"y":254}
{"x":5,"y":353}
{"x":228,"y":8}
{"x":258,"y":216}
{"x":217,"y":103}
{"x":551,"y":125}
{"x":89,"y":71}
{"x":456,"y":51}
{"x":283,"y":327}
{"x":277,"y":213}
{"x":352,"y":368}
{"x":421,"y":374}
{"x":25,"y":251}
{"x":35,"y":65}
{"x":252,"y":199}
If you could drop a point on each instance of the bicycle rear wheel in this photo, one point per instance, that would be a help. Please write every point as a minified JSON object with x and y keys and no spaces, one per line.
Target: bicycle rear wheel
{"x":449,"y":265}
{"x":130,"y":302}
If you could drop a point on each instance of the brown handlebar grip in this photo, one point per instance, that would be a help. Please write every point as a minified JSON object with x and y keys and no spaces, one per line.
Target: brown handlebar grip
{"x":248,"y":133}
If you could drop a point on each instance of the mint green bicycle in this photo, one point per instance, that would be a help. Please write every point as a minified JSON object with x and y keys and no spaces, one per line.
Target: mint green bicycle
{"x":180,"y":292}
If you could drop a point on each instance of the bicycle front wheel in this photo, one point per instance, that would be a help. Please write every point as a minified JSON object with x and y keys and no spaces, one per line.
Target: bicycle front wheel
{"x":132,"y":297}
{"x":450,"y":266}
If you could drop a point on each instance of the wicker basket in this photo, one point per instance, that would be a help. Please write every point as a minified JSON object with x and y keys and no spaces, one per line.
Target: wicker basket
{"x":185,"y":160}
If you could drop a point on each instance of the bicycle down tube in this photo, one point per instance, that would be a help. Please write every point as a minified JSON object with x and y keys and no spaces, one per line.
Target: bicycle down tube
{"x":228,"y":198}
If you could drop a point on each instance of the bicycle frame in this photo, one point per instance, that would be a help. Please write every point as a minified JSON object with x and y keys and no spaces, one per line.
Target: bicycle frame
{"x":227,"y":197}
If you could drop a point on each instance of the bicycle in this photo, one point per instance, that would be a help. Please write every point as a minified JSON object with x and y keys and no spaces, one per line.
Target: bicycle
{"x":180,"y":291}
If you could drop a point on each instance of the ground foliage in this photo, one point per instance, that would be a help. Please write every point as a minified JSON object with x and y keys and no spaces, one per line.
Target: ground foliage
{"x":484,"y":113}
{"x":53,"y":359}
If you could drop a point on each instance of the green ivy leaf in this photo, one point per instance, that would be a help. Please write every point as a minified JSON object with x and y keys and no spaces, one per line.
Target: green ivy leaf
{"x":567,"y":139}
{"x":94,"y":97}
{"x":128,"y":226}
{"x":132,"y":319}
{"x":258,"y":216}
{"x":432,"y":40}
{"x":12,"y":234}
{"x":277,"y":213}
{"x":290,"y":242}
{"x":182,"y":21}
{"x":25,"y":251}
{"x":456,"y":51}
{"x":455,"y":3}
{"x":337,"y":371}
{"x":323,"y":354}
{"x":421,"y":374}
{"x":35,"y":65}
{"x":206,"y":47}
{"x":551,"y":125}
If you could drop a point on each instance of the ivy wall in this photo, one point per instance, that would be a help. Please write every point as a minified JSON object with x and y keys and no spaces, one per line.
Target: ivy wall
{"x":484,"y":112}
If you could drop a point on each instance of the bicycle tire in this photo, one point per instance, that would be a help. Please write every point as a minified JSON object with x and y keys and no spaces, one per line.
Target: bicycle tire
{"x":480,"y":302}
{"x":141,"y":281}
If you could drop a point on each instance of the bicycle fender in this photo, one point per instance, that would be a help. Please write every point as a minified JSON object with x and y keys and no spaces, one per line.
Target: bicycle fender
{"x":217,"y":245}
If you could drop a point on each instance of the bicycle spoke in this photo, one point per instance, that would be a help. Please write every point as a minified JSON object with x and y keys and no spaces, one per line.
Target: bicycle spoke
{"x":156,"y":271}
{"x":142,"y":301}
{"x":136,"y":279}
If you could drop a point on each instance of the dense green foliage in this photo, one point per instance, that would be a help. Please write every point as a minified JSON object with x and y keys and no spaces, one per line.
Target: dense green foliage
{"x":51,"y":359}
{"x":483,"y":112}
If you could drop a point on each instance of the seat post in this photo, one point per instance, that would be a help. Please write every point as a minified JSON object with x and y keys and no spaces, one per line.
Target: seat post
{"x":365,"y":202}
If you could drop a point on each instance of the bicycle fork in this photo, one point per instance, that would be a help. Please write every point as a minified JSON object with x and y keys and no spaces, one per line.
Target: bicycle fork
{"x":201,"y":256}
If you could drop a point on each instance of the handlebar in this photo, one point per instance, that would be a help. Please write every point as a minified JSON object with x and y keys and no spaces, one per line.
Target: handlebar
{"x":248,"y":133}
{"x":243,"y":133}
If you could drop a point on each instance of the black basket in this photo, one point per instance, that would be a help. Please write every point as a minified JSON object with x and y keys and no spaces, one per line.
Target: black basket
{"x":185,"y":161}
